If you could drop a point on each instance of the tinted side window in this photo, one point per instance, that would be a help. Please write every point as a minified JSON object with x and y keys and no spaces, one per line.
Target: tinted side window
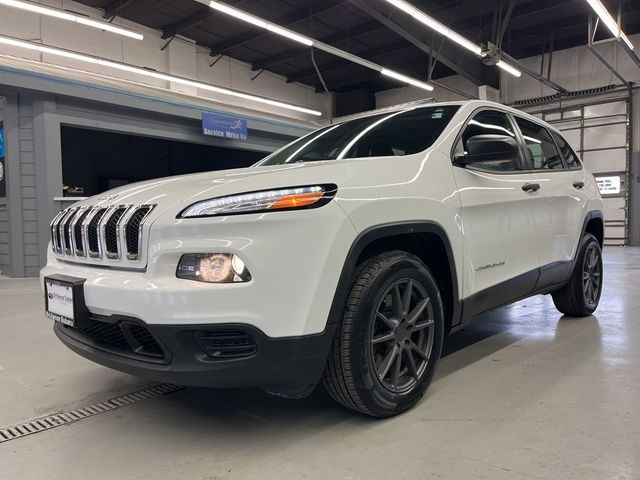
{"x":483,"y":123}
{"x":567,"y":152}
{"x":542,"y":151}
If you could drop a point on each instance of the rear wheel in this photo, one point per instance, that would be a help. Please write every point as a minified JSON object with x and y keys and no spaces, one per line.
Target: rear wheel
{"x":580,"y":297}
{"x":388,"y":346}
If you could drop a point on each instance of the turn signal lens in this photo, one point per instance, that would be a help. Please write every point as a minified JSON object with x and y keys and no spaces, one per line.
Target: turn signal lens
{"x":296,"y":201}
{"x":262,"y":201}
{"x":213,"y":268}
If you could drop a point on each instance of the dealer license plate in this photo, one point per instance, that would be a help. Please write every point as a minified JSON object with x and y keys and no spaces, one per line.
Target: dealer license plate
{"x":59,"y":301}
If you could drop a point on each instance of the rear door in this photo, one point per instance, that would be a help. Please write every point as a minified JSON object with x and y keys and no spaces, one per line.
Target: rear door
{"x":498,"y":217}
{"x":561,"y":179}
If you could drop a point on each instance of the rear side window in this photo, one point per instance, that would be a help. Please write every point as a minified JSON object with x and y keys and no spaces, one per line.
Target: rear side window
{"x":541,"y":148}
{"x":570,"y":157}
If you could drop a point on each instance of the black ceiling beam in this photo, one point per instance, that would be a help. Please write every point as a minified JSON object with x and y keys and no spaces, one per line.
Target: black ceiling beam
{"x":188,"y":22}
{"x":369,"y":55}
{"x":332,"y":39}
{"x":193,"y":20}
{"x":448,"y":55}
{"x":289,"y":19}
{"x":115,"y":7}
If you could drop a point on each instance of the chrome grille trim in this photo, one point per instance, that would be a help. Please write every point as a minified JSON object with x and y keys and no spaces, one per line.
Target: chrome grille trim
{"x":82,"y":214}
{"x":54,"y":231}
{"x":115,"y":255}
{"x":116,"y":232}
{"x":135,"y":256}
{"x":67,"y":235}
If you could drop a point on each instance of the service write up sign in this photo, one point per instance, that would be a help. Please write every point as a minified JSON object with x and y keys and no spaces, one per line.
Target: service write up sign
{"x":223,"y":126}
{"x":3,"y":180}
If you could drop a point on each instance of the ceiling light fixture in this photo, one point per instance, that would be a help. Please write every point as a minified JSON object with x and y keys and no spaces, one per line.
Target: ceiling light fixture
{"x":61,"y":14}
{"x":258,"y":22}
{"x":508,"y":68}
{"x":284,"y":32}
{"x":608,"y":20}
{"x":435,"y":25}
{"x":14,"y":42}
{"x":405,"y":79}
{"x":447,"y":32}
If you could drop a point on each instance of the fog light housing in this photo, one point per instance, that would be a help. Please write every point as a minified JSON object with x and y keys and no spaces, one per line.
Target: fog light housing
{"x":213,"y":268}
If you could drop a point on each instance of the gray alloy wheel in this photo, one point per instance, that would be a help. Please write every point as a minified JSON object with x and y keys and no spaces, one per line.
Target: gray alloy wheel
{"x":387,"y":347}
{"x":401,"y":335}
{"x":581,"y":295}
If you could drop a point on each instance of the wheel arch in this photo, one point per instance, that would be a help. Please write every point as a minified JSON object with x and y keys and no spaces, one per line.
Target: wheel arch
{"x":426,"y":240}
{"x":594,"y":224}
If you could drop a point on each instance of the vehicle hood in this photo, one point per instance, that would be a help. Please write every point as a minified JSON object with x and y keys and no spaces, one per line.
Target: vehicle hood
{"x":177,"y":193}
{"x":184,"y":190}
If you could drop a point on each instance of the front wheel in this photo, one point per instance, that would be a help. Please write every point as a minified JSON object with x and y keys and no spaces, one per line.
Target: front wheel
{"x":389,"y":343}
{"x":580,"y":297}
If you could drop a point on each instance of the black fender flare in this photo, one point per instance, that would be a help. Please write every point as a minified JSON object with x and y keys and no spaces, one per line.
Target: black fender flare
{"x":378,"y":232}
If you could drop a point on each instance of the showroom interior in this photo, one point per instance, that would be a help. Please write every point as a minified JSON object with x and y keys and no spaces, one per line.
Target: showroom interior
{"x":97,"y":95}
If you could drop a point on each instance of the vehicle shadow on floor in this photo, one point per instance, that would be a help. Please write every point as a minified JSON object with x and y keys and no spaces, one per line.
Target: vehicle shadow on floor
{"x":483,"y":337}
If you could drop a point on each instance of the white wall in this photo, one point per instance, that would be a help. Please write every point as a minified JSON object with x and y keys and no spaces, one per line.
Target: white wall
{"x":182,"y":58}
{"x":574,"y":69}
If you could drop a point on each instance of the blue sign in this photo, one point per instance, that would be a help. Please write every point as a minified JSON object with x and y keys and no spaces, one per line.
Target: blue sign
{"x":216,"y":125}
{"x":1,"y":142}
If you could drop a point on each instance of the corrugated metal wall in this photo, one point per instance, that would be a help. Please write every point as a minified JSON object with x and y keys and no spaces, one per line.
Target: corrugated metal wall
{"x":28,"y":191}
{"x":4,"y":239}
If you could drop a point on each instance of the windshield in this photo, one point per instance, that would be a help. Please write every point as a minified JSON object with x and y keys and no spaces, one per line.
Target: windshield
{"x":382,"y":135}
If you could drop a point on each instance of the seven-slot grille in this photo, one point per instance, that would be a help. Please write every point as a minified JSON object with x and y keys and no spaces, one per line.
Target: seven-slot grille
{"x":112,"y":232}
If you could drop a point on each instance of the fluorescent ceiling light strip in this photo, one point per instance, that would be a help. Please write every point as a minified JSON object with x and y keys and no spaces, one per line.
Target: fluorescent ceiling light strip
{"x":609,"y":21}
{"x":447,"y":32}
{"x":150,"y":73}
{"x":405,"y":79}
{"x":284,"y":32}
{"x":52,"y":12}
{"x":435,"y":25}
{"x":509,"y":68}
{"x":258,"y":22}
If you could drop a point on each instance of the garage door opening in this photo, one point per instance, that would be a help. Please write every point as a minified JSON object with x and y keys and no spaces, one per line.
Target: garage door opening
{"x":94,"y":161}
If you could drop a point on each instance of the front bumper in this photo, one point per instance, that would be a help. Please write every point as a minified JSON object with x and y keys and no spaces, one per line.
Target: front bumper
{"x":190,"y":355}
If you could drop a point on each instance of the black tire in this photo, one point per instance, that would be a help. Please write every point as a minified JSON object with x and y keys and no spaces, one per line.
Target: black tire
{"x":361,"y":350}
{"x":576,"y":299}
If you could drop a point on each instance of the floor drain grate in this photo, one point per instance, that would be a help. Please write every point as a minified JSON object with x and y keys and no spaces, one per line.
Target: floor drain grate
{"x":52,"y":421}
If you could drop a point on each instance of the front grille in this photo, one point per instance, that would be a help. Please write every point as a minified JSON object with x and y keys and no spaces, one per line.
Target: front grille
{"x":66,"y":231}
{"x":145,"y":339}
{"x":122,"y":338}
{"x":112,"y":233}
{"x":77,"y":231}
{"x":132,"y":230}
{"x":92,"y":233}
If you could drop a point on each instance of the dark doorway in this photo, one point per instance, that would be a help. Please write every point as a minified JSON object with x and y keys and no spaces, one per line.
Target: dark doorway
{"x":94,"y":161}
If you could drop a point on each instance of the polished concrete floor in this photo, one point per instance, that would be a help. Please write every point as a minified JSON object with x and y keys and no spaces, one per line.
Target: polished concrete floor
{"x":520,"y":393}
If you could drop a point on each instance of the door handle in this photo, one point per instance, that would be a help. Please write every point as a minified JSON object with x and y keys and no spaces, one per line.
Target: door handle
{"x":578,"y":185}
{"x":531,"y":187}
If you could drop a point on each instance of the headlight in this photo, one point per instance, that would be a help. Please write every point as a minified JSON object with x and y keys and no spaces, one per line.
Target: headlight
{"x":213,"y":268}
{"x":263,"y":201}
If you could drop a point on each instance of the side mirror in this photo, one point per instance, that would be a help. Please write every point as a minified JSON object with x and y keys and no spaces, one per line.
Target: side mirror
{"x":483,"y":148}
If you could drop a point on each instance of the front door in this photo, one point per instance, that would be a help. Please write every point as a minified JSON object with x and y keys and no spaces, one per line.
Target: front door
{"x":500,"y":213}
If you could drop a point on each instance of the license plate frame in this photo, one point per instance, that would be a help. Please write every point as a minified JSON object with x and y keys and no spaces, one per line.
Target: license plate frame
{"x":64,"y":300}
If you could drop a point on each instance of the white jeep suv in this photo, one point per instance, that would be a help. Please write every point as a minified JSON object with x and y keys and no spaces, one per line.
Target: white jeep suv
{"x":343,"y":258}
